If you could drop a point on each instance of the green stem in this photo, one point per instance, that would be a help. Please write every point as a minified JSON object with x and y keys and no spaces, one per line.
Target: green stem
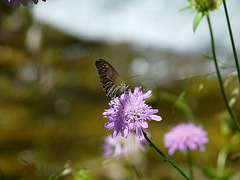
{"x":165,"y":157}
{"x":139,"y":177}
{"x":190,"y":164}
{"x":219,"y":76}
{"x":232,"y":40}
{"x":130,"y":170}
{"x":181,"y":104}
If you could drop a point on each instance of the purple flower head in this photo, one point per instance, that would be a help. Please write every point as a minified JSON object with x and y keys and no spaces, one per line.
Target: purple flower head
{"x":185,"y":136}
{"x":16,"y":3}
{"x":120,"y":145}
{"x":129,"y":112}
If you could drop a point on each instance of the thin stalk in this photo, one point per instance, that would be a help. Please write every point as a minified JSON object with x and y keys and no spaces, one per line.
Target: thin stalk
{"x":181,"y":104}
{"x":139,"y":177}
{"x":165,"y":157}
{"x":130,"y":171}
{"x":222,"y":156}
{"x":132,"y":168}
{"x":232,"y":40}
{"x":219,"y":76}
{"x":190,"y":164}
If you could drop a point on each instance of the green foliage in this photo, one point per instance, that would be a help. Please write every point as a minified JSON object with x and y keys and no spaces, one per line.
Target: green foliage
{"x":67,"y":171}
{"x":203,"y":85}
{"x":212,"y":174}
{"x":231,"y":78}
{"x":81,"y":175}
{"x":206,"y":5}
{"x":190,"y":7}
{"x":220,"y":173}
{"x":197,"y":20}
{"x":179,"y":103}
{"x":207,"y":57}
{"x":202,"y":7}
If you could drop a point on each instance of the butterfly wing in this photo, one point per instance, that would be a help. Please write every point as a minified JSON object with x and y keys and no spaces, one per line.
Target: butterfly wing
{"x":113,"y":85}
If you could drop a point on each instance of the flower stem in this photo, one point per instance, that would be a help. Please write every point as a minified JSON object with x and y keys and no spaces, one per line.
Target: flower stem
{"x":219,"y":76}
{"x":190,"y":164}
{"x":130,"y":171}
{"x":232,"y":40}
{"x":165,"y":157}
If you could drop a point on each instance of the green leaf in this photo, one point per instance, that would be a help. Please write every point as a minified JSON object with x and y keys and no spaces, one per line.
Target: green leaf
{"x":190,"y":7}
{"x":202,"y":85}
{"x":225,"y":128}
{"x":180,"y":102}
{"x":213,"y":175}
{"x":232,"y":77}
{"x":66,"y":171}
{"x":197,"y":76}
{"x":207,"y":57}
{"x":82,"y":175}
{"x":197,"y":20}
{"x":232,"y":101}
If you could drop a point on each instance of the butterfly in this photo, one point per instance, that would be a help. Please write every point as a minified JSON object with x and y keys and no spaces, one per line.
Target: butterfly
{"x":112,"y":83}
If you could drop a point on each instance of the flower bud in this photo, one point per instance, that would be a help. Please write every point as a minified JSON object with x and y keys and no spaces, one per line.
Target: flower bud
{"x":206,"y":5}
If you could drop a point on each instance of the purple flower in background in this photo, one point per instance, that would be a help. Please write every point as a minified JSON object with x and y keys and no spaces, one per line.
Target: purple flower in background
{"x":16,"y":3}
{"x":120,"y":145}
{"x":185,"y":136}
{"x":129,"y":112}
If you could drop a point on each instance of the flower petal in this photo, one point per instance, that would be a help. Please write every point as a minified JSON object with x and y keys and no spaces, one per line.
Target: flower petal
{"x":156,"y":117}
{"x":144,"y":124}
{"x":139,"y":133}
{"x":129,"y":112}
{"x":185,"y":136}
{"x":147,"y":94}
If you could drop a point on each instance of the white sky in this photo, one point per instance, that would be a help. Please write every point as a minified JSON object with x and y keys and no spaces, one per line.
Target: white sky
{"x":156,"y":23}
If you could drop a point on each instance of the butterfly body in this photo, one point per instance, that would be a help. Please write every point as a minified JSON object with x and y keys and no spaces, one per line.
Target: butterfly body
{"x":112,"y":83}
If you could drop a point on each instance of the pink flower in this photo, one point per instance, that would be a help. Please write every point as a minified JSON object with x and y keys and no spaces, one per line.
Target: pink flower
{"x":185,"y":136}
{"x":120,"y":145}
{"x":129,"y":112}
{"x":16,"y":3}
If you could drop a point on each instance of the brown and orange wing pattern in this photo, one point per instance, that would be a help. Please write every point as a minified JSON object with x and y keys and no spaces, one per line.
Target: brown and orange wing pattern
{"x":112,"y":83}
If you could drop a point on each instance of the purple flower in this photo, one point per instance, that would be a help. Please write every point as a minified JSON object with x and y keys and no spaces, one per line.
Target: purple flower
{"x":16,"y":3}
{"x":120,"y":145}
{"x":185,"y":136}
{"x":129,"y":112}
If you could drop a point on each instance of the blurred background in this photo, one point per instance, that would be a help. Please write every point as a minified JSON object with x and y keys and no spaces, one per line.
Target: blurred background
{"x":51,"y":101}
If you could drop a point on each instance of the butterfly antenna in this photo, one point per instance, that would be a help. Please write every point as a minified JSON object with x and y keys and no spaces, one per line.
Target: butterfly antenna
{"x":133,"y":77}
